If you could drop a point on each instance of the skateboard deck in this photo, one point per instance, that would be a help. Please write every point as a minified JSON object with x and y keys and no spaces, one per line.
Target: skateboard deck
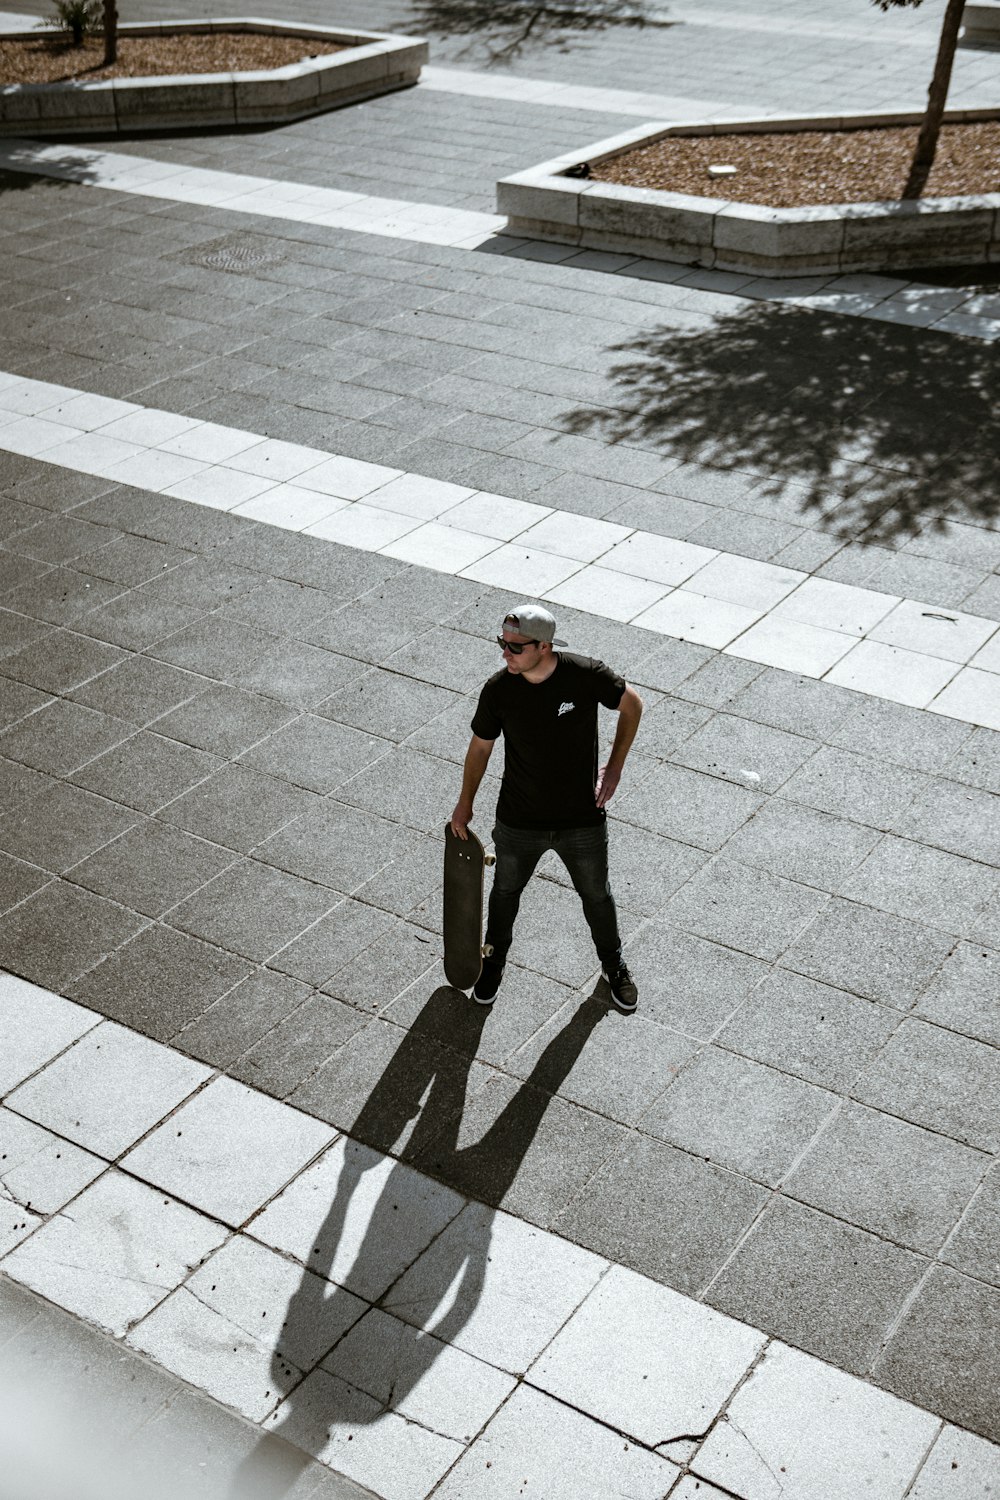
{"x":464,"y":861}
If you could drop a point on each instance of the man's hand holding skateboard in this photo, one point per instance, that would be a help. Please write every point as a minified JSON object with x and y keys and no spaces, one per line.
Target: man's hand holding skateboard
{"x":477,"y":758}
{"x":460,"y":819}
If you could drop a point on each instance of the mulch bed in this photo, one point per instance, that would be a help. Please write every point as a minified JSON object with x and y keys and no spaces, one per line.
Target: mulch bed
{"x":54,"y":59}
{"x":787,"y":170}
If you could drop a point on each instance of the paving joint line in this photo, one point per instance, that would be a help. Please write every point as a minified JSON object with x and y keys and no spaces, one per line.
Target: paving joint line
{"x":910,"y":1490}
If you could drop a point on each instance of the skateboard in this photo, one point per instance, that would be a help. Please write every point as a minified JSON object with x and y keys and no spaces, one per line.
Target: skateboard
{"x":464,"y":862}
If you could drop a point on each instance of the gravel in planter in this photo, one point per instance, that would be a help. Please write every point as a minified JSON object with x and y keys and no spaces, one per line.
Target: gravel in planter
{"x":789,"y":169}
{"x":54,"y":59}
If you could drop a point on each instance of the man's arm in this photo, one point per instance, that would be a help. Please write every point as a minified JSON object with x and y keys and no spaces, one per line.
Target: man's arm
{"x":629,"y":714}
{"x":477,"y":758}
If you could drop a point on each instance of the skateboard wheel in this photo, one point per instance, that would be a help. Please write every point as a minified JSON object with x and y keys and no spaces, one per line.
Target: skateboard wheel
{"x":489,"y":859}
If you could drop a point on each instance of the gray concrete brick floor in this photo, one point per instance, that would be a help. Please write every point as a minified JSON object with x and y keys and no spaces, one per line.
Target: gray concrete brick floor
{"x":634,"y":408}
{"x":799,"y":1125}
{"x":421,"y":146}
{"x":221,"y":797}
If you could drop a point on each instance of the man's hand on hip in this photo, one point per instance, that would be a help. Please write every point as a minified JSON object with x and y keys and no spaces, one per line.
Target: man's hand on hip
{"x":607,"y":784}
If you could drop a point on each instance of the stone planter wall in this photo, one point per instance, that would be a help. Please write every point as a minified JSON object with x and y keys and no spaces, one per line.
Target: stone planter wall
{"x":543,"y":203}
{"x":981,"y":24}
{"x":374,"y":63}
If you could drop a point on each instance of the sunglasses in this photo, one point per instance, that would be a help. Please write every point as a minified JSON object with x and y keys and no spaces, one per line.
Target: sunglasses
{"x":514,"y":647}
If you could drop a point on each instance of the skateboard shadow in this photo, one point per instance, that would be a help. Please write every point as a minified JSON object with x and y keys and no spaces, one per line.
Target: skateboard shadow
{"x":413,"y":1114}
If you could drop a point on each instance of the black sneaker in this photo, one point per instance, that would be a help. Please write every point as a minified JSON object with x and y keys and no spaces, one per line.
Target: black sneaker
{"x":488,"y":982}
{"x":622,"y":987}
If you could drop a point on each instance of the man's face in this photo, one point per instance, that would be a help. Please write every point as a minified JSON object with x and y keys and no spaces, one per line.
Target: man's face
{"x":524,"y":661}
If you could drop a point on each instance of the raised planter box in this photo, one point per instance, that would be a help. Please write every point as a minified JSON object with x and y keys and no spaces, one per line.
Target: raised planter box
{"x":373,"y":63}
{"x":544,"y":203}
{"x":981,"y":24}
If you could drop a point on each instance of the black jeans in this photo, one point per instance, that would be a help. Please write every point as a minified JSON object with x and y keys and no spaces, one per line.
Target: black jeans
{"x":584,"y":852}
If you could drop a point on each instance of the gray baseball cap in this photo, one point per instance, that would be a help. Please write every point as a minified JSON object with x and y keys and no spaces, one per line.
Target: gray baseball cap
{"x":534,"y":621}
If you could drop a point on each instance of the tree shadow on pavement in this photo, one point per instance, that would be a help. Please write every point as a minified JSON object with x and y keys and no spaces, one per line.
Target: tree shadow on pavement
{"x":26,"y":164}
{"x":503,"y":30}
{"x":414,"y":1111}
{"x":865,"y":429}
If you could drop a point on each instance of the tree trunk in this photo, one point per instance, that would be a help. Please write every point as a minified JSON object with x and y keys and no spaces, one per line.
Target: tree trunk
{"x":111,"y":32}
{"x":937,"y":94}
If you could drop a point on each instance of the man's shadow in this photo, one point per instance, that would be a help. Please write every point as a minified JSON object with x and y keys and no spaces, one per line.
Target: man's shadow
{"x":413,"y":1115}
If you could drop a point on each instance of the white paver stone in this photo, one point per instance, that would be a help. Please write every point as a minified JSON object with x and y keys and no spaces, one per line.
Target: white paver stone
{"x":891,"y":672}
{"x":836,"y":606}
{"x":114,"y":1252}
{"x":934,"y":631}
{"x":108,"y":1089}
{"x":149,"y":427}
{"x":502,"y":1288}
{"x":442,"y":547}
{"x":88,"y":412}
{"x":211,"y":442}
{"x":691,"y":1488}
{"x":973,"y":696}
{"x":537,"y":1446}
{"x":357,"y":1437}
{"x":692,"y":617}
{"x":357,"y":1217}
{"x":90,"y":453}
{"x":32,"y":435}
{"x":960,"y":1466}
{"x":495,"y":515}
{"x":155,"y":469}
{"x":522,"y":569}
{"x":801,"y":1430}
{"x":260,"y":201}
{"x":363,"y":526}
{"x":576,"y":536}
{"x":228,"y":1149}
{"x":805,"y":649}
{"x":220,"y":488}
{"x":130,"y":172}
{"x":35,"y":1026}
{"x":39,"y":1170}
{"x":418,"y":1376}
{"x":246,"y":1326}
{"x":987,"y":659}
{"x":133,"y":170}
{"x":277,"y":460}
{"x":348,"y":478}
{"x":415,"y":495}
{"x":601,"y":591}
{"x":291,"y":507}
{"x":646,"y":1360}
{"x":661,"y":559}
{"x":743,"y":580}
{"x":16,"y":1223}
{"x":31,"y":396}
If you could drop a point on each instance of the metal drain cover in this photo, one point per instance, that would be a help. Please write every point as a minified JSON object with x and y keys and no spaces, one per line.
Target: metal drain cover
{"x":236,"y":253}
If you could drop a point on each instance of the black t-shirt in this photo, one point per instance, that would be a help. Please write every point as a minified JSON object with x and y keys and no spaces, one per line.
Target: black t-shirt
{"x":550,"y":741}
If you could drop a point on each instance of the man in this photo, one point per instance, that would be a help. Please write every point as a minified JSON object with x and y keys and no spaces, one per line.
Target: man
{"x":544,"y":703}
